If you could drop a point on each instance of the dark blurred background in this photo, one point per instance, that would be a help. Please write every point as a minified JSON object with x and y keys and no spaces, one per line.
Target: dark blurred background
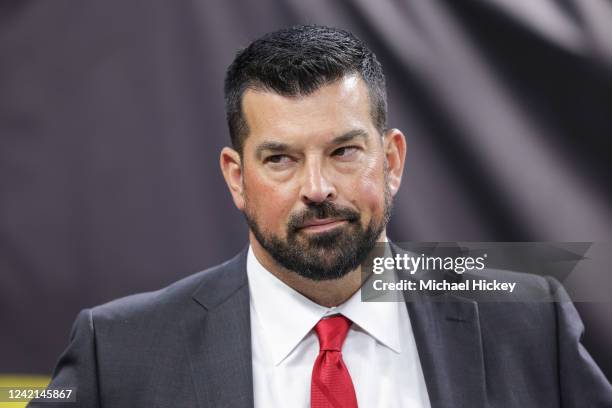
{"x":111,"y":122}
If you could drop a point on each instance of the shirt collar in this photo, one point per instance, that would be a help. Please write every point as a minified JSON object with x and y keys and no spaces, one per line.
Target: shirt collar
{"x":286,"y":316}
{"x":380,"y":320}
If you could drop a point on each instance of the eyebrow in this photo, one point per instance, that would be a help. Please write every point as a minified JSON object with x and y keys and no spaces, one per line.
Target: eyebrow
{"x":283,"y":147}
{"x":270,"y":146}
{"x":350,"y":135}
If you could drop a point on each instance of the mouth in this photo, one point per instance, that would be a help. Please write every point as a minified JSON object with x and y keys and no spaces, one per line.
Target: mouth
{"x":321,"y":225}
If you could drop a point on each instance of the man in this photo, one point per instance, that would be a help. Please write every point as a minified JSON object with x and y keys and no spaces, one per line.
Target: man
{"x":314,"y":170}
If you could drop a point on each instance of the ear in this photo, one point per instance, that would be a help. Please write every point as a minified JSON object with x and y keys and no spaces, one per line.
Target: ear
{"x":231,"y":167}
{"x":395,"y":152}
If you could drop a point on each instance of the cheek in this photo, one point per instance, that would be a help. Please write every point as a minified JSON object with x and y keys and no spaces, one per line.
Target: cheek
{"x":368,"y":193}
{"x":269,"y":202}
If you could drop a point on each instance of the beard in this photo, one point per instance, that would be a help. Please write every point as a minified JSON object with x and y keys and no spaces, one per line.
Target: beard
{"x":325,"y":255}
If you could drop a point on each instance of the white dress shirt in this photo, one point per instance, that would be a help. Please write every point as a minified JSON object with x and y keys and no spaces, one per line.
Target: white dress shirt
{"x":379,"y":351}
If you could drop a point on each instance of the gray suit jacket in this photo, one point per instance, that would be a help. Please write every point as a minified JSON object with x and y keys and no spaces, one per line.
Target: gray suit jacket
{"x":189,"y":345}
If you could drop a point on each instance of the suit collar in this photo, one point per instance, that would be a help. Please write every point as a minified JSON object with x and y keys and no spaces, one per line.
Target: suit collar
{"x":217,"y":334}
{"x":222,"y":281}
{"x":448,"y":338}
{"x":449,"y":341}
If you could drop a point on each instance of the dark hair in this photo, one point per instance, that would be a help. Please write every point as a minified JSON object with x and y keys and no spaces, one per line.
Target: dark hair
{"x":297,"y":61}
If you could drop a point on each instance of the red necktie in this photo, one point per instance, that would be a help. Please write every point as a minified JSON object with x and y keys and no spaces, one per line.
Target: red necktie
{"x":331,"y":385}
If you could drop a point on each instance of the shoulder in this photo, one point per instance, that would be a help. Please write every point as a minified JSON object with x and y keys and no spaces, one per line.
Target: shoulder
{"x":166,"y":302}
{"x":526,"y":287}
{"x":529,"y":312}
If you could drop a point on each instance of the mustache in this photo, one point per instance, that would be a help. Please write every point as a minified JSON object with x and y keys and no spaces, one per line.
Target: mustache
{"x":321,"y":210}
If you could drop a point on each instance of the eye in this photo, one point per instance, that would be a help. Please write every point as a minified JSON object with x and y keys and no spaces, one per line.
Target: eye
{"x":277,"y":159}
{"x":345,"y":151}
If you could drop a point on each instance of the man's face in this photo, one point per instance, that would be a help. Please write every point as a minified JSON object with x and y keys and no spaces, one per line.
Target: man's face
{"x":314,"y":186}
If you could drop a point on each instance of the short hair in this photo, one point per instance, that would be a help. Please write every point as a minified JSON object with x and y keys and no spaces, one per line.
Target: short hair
{"x":297,"y":61}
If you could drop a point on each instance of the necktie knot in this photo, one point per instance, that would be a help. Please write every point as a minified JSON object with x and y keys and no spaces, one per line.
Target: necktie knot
{"x":332,"y":332}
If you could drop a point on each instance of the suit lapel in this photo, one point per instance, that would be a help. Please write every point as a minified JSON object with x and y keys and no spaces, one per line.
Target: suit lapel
{"x":448,"y":339}
{"x":218,"y":337}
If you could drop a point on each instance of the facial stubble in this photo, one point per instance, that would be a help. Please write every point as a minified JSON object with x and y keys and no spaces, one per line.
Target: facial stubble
{"x":326,"y":255}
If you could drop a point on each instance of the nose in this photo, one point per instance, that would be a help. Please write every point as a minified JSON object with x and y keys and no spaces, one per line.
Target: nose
{"x":316,"y":187}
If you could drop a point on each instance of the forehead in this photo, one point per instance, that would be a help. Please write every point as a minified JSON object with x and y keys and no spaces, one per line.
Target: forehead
{"x":335,"y":108}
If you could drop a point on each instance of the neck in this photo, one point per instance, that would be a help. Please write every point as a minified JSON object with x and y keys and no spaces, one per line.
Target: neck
{"x":327,"y":293}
